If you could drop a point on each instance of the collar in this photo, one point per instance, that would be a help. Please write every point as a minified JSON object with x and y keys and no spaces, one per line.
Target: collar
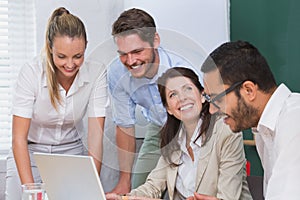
{"x":81,"y":77}
{"x":273,"y":108}
{"x":182,"y":137}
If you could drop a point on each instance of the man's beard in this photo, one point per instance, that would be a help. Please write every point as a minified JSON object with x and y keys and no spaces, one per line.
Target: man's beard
{"x":152,"y":62}
{"x":245,"y":116}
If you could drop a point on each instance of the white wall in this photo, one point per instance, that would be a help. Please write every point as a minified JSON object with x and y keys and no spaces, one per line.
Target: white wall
{"x":97,"y":15}
{"x":206,"y":22}
{"x":203,"y":23}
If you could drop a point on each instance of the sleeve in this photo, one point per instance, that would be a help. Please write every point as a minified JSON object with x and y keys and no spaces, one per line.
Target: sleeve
{"x":123,"y":107}
{"x":99,"y":101}
{"x":285,"y":179}
{"x":24,"y":92}
{"x":232,"y":174}
{"x":155,"y":183}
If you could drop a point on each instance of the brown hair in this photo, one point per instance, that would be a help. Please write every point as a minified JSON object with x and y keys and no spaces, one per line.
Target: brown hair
{"x":169,"y":132}
{"x":135,"y":21}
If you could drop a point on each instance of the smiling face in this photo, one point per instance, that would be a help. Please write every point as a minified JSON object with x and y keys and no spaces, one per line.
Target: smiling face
{"x":239,"y":114}
{"x":184,"y":100}
{"x":68,"y":56}
{"x":138,"y":56}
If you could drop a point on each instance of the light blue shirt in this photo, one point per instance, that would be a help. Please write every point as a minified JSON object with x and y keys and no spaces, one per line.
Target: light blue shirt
{"x":127,"y":91}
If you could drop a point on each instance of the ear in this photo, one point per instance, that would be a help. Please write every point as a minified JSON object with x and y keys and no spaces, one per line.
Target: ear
{"x":202,"y":98}
{"x":156,"y":41}
{"x":249,"y":90}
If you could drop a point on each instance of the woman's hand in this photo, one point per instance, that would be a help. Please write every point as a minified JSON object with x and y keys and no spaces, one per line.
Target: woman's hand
{"x":201,"y":197}
{"x":114,"y":196}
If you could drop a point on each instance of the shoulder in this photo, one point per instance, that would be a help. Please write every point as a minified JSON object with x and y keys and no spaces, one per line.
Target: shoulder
{"x":93,"y":68}
{"x":171,"y":57}
{"x":33,"y":68}
{"x":116,"y":69}
{"x":223,"y":131}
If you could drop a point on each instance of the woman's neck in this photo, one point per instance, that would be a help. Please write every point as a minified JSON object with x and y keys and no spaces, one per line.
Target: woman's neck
{"x":190,"y":129}
{"x":66,"y":82}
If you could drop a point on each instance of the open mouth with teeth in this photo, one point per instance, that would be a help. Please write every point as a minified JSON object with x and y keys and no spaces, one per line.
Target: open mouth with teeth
{"x":69,"y":69}
{"x":186,"y":107}
{"x":135,"y":67}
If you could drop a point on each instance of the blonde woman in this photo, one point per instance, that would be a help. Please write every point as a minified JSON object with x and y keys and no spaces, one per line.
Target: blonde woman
{"x":52,"y":95}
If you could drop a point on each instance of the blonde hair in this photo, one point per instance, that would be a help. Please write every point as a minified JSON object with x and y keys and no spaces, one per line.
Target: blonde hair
{"x":61,"y":23}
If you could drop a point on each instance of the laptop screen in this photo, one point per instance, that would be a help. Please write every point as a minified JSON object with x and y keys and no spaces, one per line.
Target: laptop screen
{"x":69,"y":176}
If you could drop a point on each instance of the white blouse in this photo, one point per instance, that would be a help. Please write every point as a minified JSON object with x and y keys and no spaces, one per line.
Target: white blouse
{"x":186,"y":179}
{"x":87,"y":95}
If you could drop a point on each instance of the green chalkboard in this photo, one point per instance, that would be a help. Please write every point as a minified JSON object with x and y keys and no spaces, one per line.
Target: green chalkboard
{"x":273,"y":27}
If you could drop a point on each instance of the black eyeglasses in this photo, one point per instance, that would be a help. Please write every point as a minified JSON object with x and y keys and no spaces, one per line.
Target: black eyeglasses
{"x":219,"y":96}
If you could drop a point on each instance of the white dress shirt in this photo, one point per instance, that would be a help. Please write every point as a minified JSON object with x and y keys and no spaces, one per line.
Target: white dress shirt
{"x":277,"y":142}
{"x":186,"y":179}
{"x":88,"y":93}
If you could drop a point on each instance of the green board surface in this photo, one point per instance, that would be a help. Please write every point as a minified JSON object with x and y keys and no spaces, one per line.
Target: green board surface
{"x":274,"y":28}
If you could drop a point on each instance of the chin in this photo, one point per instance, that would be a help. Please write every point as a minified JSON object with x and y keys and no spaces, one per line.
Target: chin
{"x":135,"y":75}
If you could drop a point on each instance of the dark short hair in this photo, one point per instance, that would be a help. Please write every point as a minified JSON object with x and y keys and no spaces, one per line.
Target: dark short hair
{"x":135,"y":21}
{"x":240,"y":61}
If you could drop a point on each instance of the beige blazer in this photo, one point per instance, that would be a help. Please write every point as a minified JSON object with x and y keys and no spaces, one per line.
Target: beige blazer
{"x":221,"y":169}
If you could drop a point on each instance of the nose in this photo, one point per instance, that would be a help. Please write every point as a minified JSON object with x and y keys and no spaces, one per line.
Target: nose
{"x":130,"y":59}
{"x":181,"y":96}
{"x":70,"y":62}
{"x":213,"y":109}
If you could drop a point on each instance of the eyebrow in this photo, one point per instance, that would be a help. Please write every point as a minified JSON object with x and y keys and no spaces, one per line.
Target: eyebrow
{"x":132,"y":51}
{"x":183,"y":86}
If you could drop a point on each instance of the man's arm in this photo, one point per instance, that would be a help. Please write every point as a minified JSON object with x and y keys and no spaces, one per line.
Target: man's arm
{"x":126,"y":153}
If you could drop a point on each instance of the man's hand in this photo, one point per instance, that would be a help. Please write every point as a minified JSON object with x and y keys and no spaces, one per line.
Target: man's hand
{"x":123,"y":186}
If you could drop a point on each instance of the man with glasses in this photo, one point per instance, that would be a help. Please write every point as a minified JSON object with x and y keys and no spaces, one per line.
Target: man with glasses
{"x":240,"y":86}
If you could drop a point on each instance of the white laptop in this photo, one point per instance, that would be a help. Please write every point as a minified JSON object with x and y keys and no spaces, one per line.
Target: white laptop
{"x":69,"y":177}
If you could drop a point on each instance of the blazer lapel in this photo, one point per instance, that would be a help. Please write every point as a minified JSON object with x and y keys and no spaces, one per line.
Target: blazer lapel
{"x":172,"y":174}
{"x":205,"y":153}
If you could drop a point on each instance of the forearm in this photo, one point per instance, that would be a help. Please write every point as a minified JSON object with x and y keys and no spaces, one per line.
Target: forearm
{"x":126,"y":150}
{"x":95,"y":140}
{"x":20,"y":127}
{"x":22,"y":159}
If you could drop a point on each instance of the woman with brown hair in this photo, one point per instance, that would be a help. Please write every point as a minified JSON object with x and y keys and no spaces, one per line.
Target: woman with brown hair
{"x":199,"y":152}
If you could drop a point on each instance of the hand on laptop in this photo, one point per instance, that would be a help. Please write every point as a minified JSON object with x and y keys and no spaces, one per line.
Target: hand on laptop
{"x":114,"y":196}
